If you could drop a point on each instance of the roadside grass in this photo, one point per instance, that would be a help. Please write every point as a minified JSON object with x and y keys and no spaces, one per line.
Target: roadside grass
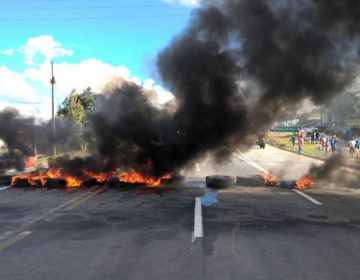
{"x":283,"y":140}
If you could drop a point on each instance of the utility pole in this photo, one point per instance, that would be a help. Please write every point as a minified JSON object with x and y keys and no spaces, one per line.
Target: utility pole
{"x":52,"y":82}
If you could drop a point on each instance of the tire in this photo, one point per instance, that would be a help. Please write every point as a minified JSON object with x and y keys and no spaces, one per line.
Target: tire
{"x":219,"y":181}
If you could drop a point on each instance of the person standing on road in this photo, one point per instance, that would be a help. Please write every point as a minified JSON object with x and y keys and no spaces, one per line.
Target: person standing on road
{"x":322,"y":141}
{"x":293,"y":140}
{"x":352,"y":144}
{"x":357,"y":146}
{"x":357,"y":143}
{"x":333,"y":143}
{"x":262,"y":142}
{"x":312,"y":138}
{"x":300,"y":143}
{"x":326,"y":145}
{"x":317,"y":136}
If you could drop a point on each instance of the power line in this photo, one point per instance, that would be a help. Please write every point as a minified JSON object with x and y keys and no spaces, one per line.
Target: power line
{"x":94,"y":18}
{"x":73,"y":1}
{"x":84,"y":7}
{"x":32,"y":2}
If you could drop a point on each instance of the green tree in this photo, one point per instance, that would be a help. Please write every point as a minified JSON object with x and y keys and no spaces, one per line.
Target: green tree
{"x":87,"y":99}
{"x":76,"y":106}
{"x":72,"y":108}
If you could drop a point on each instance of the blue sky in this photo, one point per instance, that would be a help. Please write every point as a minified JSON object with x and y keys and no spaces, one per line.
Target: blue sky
{"x":88,"y":41}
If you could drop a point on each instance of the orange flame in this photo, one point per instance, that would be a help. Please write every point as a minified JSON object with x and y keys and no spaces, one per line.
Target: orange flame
{"x":99,"y":177}
{"x":59,"y":174}
{"x":269,"y":178}
{"x":305,"y":183}
{"x":32,"y":178}
{"x":136,"y":177}
{"x":41,"y":177}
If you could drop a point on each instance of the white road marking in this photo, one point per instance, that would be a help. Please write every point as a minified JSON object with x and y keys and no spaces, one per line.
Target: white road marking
{"x":198,"y":225}
{"x":250,"y":162}
{"x":4,"y":188}
{"x":308,"y":197}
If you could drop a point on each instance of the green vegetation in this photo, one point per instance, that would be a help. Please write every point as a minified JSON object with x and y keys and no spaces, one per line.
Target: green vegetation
{"x":76,"y":106}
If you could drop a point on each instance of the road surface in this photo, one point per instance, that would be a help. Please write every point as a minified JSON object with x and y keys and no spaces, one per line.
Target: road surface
{"x":253,"y":232}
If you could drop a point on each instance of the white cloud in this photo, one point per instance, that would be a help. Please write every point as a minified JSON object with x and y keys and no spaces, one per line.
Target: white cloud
{"x":184,"y":2}
{"x":16,"y":92}
{"x":162,"y":96}
{"x":29,"y":91}
{"x":87,"y":73}
{"x":42,"y":48}
{"x":8,"y":52}
{"x":13,"y":86}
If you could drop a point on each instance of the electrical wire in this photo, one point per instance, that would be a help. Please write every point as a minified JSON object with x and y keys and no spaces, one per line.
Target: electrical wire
{"x":83,"y":7}
{"x":95,"y":18}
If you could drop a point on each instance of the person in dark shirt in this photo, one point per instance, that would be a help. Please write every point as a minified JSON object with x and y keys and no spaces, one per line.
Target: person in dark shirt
{"x":317,"y":136}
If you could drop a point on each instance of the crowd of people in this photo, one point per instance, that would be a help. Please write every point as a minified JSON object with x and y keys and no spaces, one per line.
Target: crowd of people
{"x":324,"y":142}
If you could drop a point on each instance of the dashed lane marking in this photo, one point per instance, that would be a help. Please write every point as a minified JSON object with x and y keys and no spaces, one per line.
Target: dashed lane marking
{"x":4,"y":188}
{"x":198,"y":224}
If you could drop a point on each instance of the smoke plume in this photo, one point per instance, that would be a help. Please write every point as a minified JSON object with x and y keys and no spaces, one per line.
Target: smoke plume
{"x":23,"y":138}
{"x":337,"y":169}
{"x":238,"y":66}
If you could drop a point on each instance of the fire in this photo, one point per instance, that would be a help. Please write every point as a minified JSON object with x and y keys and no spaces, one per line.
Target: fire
{"x":269,"y":178}
{"x":304,"y":183}
{"x":41,"y":177}
{"x":32,"y":178}
{"x":136,"y":177}
{"x":100,"y":176}
{"x":59,"y":174}
{"x":78,"y":178}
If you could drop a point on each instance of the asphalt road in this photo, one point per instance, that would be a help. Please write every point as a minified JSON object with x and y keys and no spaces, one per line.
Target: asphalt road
{"x":253,"y":232}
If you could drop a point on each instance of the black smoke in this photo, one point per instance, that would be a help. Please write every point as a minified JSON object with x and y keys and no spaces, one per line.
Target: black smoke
{"x":17,"y":133}
{"x":240,"y":65}
{"x":23,"y":137}
{"x":237,"y":67}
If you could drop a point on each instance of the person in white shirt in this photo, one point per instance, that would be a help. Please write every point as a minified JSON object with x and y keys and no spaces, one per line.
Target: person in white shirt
{"x":352,"y":144}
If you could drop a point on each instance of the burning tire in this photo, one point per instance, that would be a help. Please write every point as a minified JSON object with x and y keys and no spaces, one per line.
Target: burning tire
{"x":219,"y":181}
